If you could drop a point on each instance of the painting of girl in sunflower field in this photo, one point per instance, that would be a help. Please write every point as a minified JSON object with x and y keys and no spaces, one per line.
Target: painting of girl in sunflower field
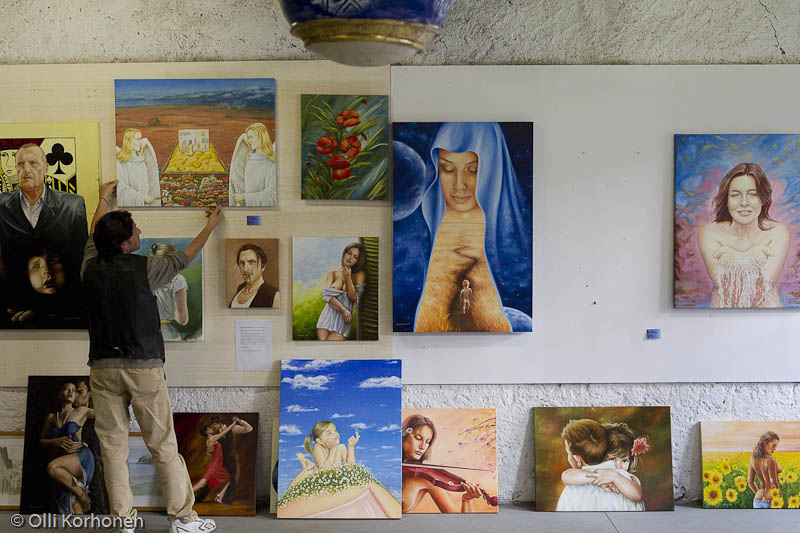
{"x":751,"y":465}
{"x":345,"y":147}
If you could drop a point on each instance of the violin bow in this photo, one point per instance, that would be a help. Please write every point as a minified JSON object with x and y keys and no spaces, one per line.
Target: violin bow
{"x":444,"y":467}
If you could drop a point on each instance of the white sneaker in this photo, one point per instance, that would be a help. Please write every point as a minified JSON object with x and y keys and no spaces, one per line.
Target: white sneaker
{"x":203,"y":525}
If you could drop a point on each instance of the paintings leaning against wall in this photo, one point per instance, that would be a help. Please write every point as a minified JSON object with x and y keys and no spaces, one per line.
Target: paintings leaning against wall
{"x":335,"y":288}
{"x":462,"y":211}
{"x":196,"y":142}
{"x":180,"y":301}
{"x":142,"y":475}
{"x":220,"y":454}
{"x":59,"y":414}
{"x":603,"y":459}
{"x":339,"y":448}
{"x":737,"y":227}
{"x":11,"y":450}
{"x":751,"y":465}
{"x":449,"y":460}
{"x":345,"y":147}
{"x":57,"y":164}
{"x":252,"y":278}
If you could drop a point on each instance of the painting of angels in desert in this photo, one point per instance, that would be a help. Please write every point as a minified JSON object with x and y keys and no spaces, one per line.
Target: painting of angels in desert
{"x":737,"y":228}
{"x":196,"y":142}
{"x":462,"y":211}
{"x":338,"y":439}
{"x":449,"y":460}
{"x":603,"y":459}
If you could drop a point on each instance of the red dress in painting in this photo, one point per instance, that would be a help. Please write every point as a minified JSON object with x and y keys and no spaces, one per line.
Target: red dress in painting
{"x":216,"y":473}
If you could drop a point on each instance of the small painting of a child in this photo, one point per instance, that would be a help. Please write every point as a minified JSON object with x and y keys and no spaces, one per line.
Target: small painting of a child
{"x":619,"y":490}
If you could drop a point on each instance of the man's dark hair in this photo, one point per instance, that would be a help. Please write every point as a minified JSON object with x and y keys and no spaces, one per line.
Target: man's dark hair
{"x":111,"y":231}
{"x":256,"y":249}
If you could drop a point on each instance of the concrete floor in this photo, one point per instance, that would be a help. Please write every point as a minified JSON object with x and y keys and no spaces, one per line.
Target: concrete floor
{"x":511,"y":519}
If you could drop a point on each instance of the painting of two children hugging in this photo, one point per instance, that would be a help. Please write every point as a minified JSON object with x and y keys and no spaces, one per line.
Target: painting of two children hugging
{"x":603,"y":459}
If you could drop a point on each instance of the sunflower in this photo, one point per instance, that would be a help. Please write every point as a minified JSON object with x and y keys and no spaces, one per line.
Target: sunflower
{"x":735,"y":467}
{"x":726,"y":460}
{"x":706,"y":475}
{"x":777,"y":503}
{"x":739,"y":479}
{"x":731,"y":495}
{"x":791,"y":477}
{"x":741,"y":487}
{"x":712,"y":495}
{"x":716,"y":478}
{"x":726,"y":468}
{"x":775,"y":492}
{"x":794,"y":502}
{"x":781,"y":478}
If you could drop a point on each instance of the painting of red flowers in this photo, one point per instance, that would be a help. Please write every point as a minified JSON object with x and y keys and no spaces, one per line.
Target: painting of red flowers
{"x":345,"y":147}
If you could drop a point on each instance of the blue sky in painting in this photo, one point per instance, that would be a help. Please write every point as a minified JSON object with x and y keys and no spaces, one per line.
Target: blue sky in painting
{"x":353,"y":394}
{"x":245,"y":92}
{"x":313,"y":257}
{"x":179,"y":243}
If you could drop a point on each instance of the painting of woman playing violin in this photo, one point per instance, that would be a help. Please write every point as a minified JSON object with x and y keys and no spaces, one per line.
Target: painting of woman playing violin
{"x":449,"y":460}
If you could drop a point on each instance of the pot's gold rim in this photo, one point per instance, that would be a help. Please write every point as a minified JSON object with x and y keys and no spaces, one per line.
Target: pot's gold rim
{"x":414,"y":34}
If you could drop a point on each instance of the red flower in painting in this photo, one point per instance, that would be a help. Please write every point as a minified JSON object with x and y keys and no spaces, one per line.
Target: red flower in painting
{"x":326,"y":144}
{"x":350,"y":146}
{"x":640,"y":446}
{"x":338,"y":161}
{"x":348,"y":118}
{"x":341,"y":174}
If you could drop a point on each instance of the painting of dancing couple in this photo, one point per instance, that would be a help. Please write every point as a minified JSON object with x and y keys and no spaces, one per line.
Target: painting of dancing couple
{"x":603,"y":459}
{"x":335,"y":288}
{"x":196,"y":142}
{"x":339,"y":445}
{"x":62,"y":468}
{"x":751,"y":465}
{"x":220,"y":454}
{"x":462,"y":212}
{"x":737,"y":228}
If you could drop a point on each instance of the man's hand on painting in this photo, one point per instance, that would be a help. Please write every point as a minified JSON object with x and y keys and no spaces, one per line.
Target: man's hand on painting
{"x":20,"y":316}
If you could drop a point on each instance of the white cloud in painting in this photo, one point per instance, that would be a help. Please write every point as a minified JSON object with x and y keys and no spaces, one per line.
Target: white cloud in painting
{"x":300,"y":409}
{"x":374,"y":383}
{"x":311,"y":382}
{"x":316,"y":364}
{"x":392,"y":362}
{"x":387,"y":447}
{"x":289,"y":429}
{"x":360,"y":425}
{"x":281,"y":441}
{"x":390,"y":427}
{"x":337,"y":415}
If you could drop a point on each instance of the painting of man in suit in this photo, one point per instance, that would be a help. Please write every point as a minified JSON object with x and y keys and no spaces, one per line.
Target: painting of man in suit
{"x":42,"y":235}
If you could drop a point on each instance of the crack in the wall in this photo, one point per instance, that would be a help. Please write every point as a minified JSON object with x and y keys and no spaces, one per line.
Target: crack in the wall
{"x":774,"y":30}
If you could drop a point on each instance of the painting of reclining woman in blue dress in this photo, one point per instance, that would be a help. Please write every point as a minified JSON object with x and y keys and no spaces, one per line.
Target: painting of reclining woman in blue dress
{"x":463,"y":238}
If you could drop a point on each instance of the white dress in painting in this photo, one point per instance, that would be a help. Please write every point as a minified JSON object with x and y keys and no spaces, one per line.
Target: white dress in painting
{"x":593,"y":498}
{"x":252,"y":174}
{"x":165,"y":300}
{"x":137,"y":178}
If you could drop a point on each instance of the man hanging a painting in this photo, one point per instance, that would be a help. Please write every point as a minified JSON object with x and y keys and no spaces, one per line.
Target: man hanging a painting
{"x":462,"y":226}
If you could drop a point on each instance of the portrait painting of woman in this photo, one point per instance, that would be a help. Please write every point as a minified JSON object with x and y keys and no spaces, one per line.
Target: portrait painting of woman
{"x":462,"y":226}
{"x":734,"y":228}
{"x":335,"y":288}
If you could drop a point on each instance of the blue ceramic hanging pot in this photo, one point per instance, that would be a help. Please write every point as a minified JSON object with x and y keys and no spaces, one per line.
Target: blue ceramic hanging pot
{"x":366,"y":32}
